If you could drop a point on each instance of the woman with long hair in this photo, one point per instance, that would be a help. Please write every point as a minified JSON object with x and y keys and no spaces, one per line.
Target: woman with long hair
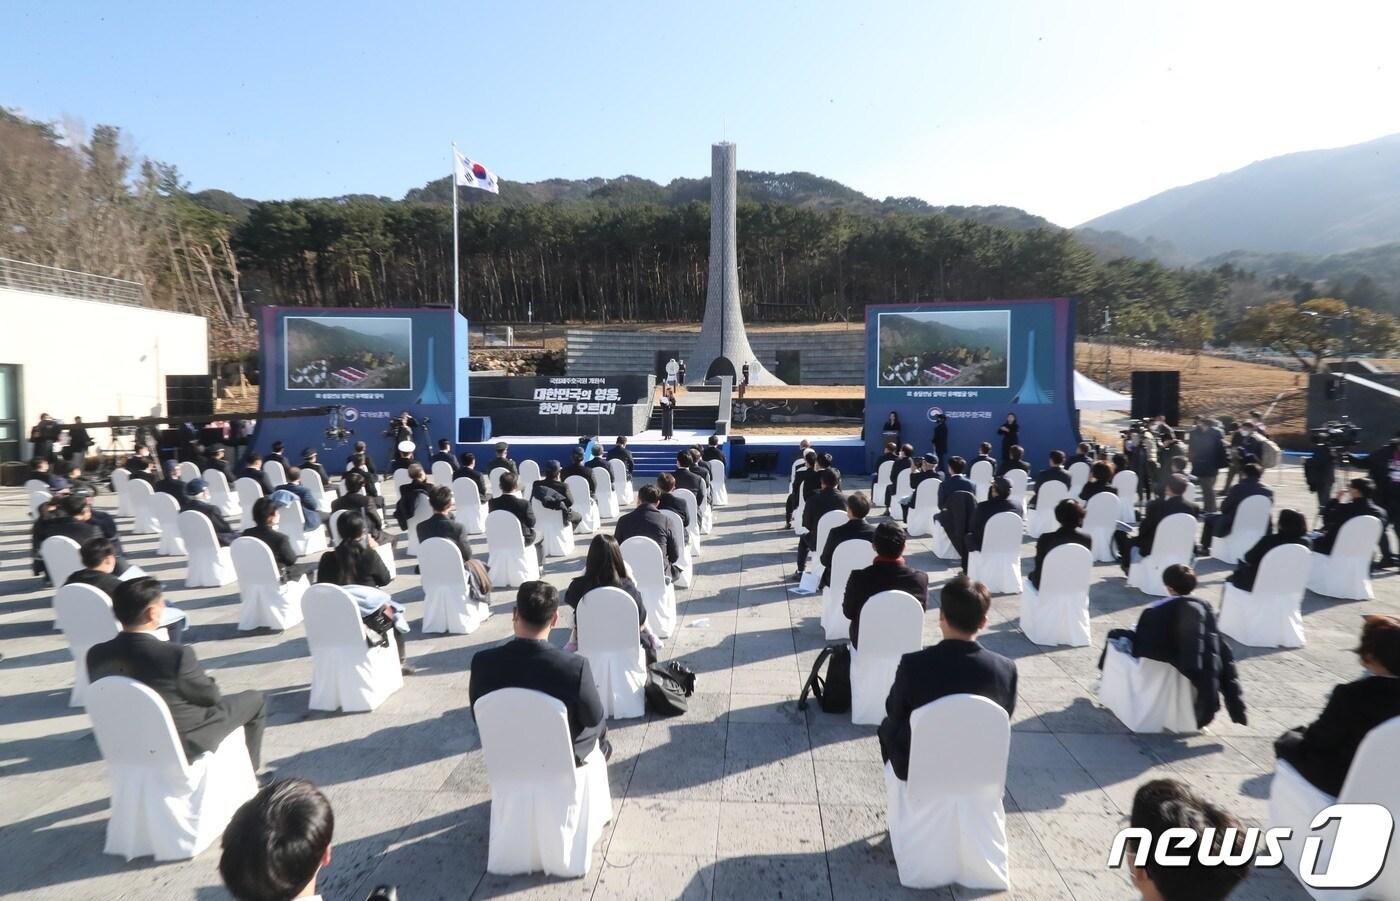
{"x":605,"y":568}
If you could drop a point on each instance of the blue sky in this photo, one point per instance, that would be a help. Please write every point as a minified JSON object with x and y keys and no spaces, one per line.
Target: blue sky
{"x":1065,"y":109}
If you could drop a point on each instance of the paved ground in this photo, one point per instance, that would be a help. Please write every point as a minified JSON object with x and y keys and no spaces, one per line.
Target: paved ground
{"x":744,"y":797}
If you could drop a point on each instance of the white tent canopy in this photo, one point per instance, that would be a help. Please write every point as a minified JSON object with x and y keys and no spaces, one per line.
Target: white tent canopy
{"x":1090,"y":395}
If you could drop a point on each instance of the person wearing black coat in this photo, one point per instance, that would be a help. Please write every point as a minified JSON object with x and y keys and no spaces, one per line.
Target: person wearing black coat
{"x":576,"y":468}
{"x":253,"y":469}
{"x":520,"y":508}
{"x":890,"y":455}
{"x":265,"y":516}
{"x":666,"y":484}
{"x":197,"y":499}
{"x":956,"y":665}
{"x":955,"y":482}
{"x":1351,"y":502}
{"x":1157,"y":510}
{"x":904,"y":460}
{"x":409,"y":492}
{"x":1069,"y":513}
{"x":1219,"y":525}
{"x":689,"y":478}
{"x":1383,"y":468}
{"x":648,"y":521}
{"x":998,"y":501}
{"x":39,"y":471}
{"x":925,"y":469}
{"x":468,"y":471}
{"x":888,"y":572}
{"x":1082,"y":454}
{"x":1292,"y":529}
{"x":940,"y":435}
{"x":170,"y":484}
{"x":554,"y":494}
{"x":147,"y":473}
{"x":217,"y":458}
{"x":502,"y":460}
{"x":1100,"y":481}
{"x":309,"y":461}
{"x":1205,"y":446}
{"x":856,"y":528}
{"x":1320,"y":471}
{"x":353,"y":562}
{"x":356,"y":500}
{"x":1014,"y":459}
{"x":826,"y":499}
{"x":78,"y":441}
{"x":442,"y":525}
{"x":443,"y":454}
{"x":619,"y":451}
{"x":1055,"y":472}
{"x":668,"y":414}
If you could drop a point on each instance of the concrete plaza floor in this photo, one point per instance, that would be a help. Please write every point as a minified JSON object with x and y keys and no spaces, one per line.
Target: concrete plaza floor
{"x":744,"y":797}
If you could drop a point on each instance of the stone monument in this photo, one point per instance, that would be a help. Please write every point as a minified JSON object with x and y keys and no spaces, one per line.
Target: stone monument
{"x":723,"y":347}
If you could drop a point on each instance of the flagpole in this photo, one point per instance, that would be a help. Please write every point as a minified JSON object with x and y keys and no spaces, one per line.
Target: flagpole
{"x":456,"y":280}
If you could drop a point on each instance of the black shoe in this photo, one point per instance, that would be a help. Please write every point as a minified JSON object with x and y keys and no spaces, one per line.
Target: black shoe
{"x":795,"y":577}
{"x":408,"y":669}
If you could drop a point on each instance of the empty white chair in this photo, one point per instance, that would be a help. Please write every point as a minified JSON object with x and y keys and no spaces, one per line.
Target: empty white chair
{"x":849,"y":556}
{"x":605,"y":626}
{"x":510,"y":561}
{"x":606,"y":498}
{"x":161,"y":805}
{"x":584,"y":503}
{"x":1270,"y":615}
{"x":1294,"y":802}
{"x":62,"y":558}
{"x":448,"y":605}
{"x":493,"y":480}
{"x":692,"y":532}
{"x":442,"y":473}
{"x":1126,"y":484}
{"x":947,"y":823}
{"x":1174,"y":542}
{"x":622,"y":485}
{"x":998,"y":563}
{"x":220,"y":494}
{"x":1100,"y":522}
{"x":187,"y":471}
{"x":167,"y":513}
{"x":422,"y":510}
{"x":1019,"y":479}
{"x":891,"y":625}
{"x":319,"y":491}
{"x":471,"y":509}
{"x":346,"y":674}
{"x":811,"y":576}
{"x":546,"y":813}
{"x":143,"y":520}
{"x":1251,"y":522}
{"x":1078,"y":477}
{"x":924,"y":509}
{"x":385,"y":548}
{"x":685,"y":564}
{"x":554,"y":530}
{"x":121,"y":479}
{"x":1058,"y":612}
{"x":248,"y":492}
{"x":291,"y":522}
{"x":648,"y":564}
{"x":529,"y":474}
{"x":264,"y":602}
{"x":718,"y":483}
{"x":1047,"y":498}
{"x":210,"y":566}
{"x":84,"y":613}
{"x":883,"y":482}
{"x":901,"y":490}
{"x":1146,"y":695}
{"x":276,"y":473}
{"x":982,"y":473}
{"x":1346,"y":572}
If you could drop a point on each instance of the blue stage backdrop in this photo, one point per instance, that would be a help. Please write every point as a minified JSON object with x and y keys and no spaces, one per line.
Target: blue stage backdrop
{"x":974,"y":362}
{"x":374,"y":364}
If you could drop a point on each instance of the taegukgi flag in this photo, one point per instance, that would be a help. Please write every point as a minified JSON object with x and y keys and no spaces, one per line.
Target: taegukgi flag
{"x":472,"y":174}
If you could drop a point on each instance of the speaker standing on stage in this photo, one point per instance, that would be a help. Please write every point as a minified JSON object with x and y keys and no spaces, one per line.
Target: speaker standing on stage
{"x":1010,"y":432}
{"x":668,"y":414}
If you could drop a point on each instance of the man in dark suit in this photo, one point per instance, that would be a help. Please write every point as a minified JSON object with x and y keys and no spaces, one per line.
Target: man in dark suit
{"x":799,"y":484}
{"x":1351,"y":502}
{"x":253,"y":469}
{"x":502,"y":460}
{"x":689,"y":478}
{"x":940,"y":435}
{"x":520,"y":508}
{"x":1292,"y":529}
{"x":887,"y":573}
{"x":443,"y":453}
{"x":955,"y":482}
{"x":1055,"y":472}
{"x":217,"y":458}
{"x":1157,"y":510}
{"x":146,"y":472}
{"x":442,"y":525}
{"x":39,"y":471}
{"x":712,"y":450}
{"x":138,"y":461}
{"x":356,"y":499}
{"x":409,"y":492}
{"x":468,"y":471}
{"x":1205,"y":447}
{"x":360,"y":457}
{"x":197,"y":499}
{"x":984,"y":454}
{"x":529,"y":661}
{"x":619,"y":451}
{"x":276,"y":455}
{"x":856,"y":528}
{"x":99,"y":562}
{"x":904,"y":460}
{"x":925,"y":468}
{"x":1015,"y":459}
{"x":998,"y":501}
{"x":596,"y":461}
{"x":824,"y":500}
{"x":264,"y":528}
{"x":576,"y":468}
{"x":72,"y":517}
{"x":311,"y":460}
{"x":309,"y":512}
{"x":956,"y":665}
{"x":1082,"y":454}
{"x":697,"y":466}
{"x":890,"y":455}
{"x":78,"y":441}
{"x":170,"y":483}
{"x":647,"y":520}
{"x":1069,"y":513}
{"x":203,"y":716}
{"x":553,"y":494}
{"x":666,"y":484}
{"x":1219,"y":525}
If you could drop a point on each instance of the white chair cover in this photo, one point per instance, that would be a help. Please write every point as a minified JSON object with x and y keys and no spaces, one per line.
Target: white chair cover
{"x":511,"y":563}
{"x":422,"y":511}
{"x":493,"y":482}
{"x":221,"y":495}
{"x":882,"y":482}
{"x":947,"y":823}
{"x":850,"y":555}
{"x":447,"y":599}
{"x":1346,"y":572}
{"x":1146,"y":695}
{"x":210,"y":566}
{"x":998,"y":563}
{"x":1047,"y":497}
{"x":982,"y":474}
{"x":385,"y":549}
{"x":1373,"y":779}
{"x":707,"y":517}
{"x":924,"y":509}
{"x":265,"y":603}
{"x":319,"y":491}
{"x":608,"y":506}
{"x":1271,"y":615}
{"x":346,"y":674}
{"x":556,"y":534}
{"x":1100,"y":522}
{"x":584,"y":504}
{"x":812,"y":575}
{"x":1078,"y":477}
{"x":1251,"y":522}
{"x":187,"y":471}
{"x":37,"y":498}
{"x":718,"y":483}
{"x":692,"y":533}
{"x":292,"y":523}
{"x":276,"y":473}
{"x":605,"y":626}
{"x":529,"y":474}
{"x":84,"y":613}
{"x":901,"y":490}
{"x":167,"y":513}
{"x":622,"y":485}
{"x":442,"y":473}
{"x":248,"y":492}
{"x":143,"y":520}
{"x":685,"y":564}
{"x":546,"y":813}
{"x":62,"y":557}
{"x":648,"y":563}
{"x":891,"y":625}
{"x":1058,"y":613}
{"x":1192,"y":495}
{"x":161,"y":805}
{"x":400,"y":478}
{"x":943,"y":545}
{"x":1174,"y":542}
{"x":121,"y":479}
{"x":1126,"y":484}
{"x":1019,"y":480}
{"x":471,"y":509}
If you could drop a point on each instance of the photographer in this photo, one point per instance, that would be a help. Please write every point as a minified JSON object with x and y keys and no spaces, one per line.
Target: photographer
{"x":1320,"y":471}
{"x":1140,"y":447}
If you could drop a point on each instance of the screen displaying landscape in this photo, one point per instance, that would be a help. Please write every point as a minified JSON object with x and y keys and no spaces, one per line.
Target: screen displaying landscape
{"x":337,"y":352}
{"x":955,"y":348}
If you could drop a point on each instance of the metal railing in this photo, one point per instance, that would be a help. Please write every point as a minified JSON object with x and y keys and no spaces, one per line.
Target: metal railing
{"x":24,"y":276}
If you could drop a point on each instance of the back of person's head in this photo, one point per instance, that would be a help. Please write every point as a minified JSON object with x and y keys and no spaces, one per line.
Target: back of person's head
{"x":95,"y":550}
{"x":1180,"y":579}
{"x":1084,"y":447}
{"x":275,"y":842}
{"x":439,"y":498}
{"x":622,"y":440}
{"x":810,"y":457}
{"x":714,"y":441}
{"x":577,"y":455}
{"x":964,"y":604}
{"x":604,"y":565}
{"x":825,"y":460}
{"x":647,"y":494}
{"x":1101,"y":471}
{"x":1057,"y":458}
{"x":827,"y":479}
{"x":39,"y":463}
{"x":1164,"y":804}
{"x":132,"y":598}
{"x":73,"y":505}
{"x":1380,"y":642}
{"x":469,"y":460}
{"x":444,"y":444}
{"x":666,"y":482}
{"x":253,"y":460}
{"x":293,"y":474}
{"x":415,"y":472}
{"x":1179,"y":464}
{"x":354,"y":482}
{"x":264,"y":509}
{"x":502,"y":448}
{"x":1251,"y":471}
{"x":277,"y":447}
{"x":1070,"y":513}
{"x":858,"y":504}
{"x":351,"y":526}
{"x":1015,"y":453}
{"x":957,"y":465}
{"x":889,"y":539}
{"x":597,"y":451}
{"x":890,"y":447}
{"x":1177,"y":484}
{"x":170,"y":468}
{"x":683,"y":458}
{"x":985,"y":447}
{"x":1292,"y":524}
{"x":1001,"y":487}
{"x":509,"y":482}
{"x":1364,"y":487}
{"x":536,"y":603}
{"x":907,"y":450}
{"x":552,"y":469}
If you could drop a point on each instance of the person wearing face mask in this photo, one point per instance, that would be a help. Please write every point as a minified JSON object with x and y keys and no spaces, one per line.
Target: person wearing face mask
{"x":1244,"y":448}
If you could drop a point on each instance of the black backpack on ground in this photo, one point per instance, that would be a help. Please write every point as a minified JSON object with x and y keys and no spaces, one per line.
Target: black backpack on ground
{"x":668,"y":686}
{"x":833,"y":693}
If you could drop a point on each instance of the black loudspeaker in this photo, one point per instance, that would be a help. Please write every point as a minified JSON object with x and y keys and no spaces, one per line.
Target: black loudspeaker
{"x":738,"y":457}
{"x":1157,"y":394}
{"x":189,"y":395}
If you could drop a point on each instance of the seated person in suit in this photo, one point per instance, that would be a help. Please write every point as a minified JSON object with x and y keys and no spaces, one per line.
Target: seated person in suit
{"x":1069,"y":513}
{"x":648,"y":520}
{"x":712,"y":450}
{"x":468,"y":471}
{"x":253,"y":469}
{"x":309,"y":514}
{"x":170,"y":483}
{"x":855,"y":528}
{"x":554,"y":494}
{"x":409,"y":492}
{"x":998,"y":501}
{"x":1352,"y":501}
{"x":605,"y":568}
{"x":1015,"y":459}
{"x":1100,"y":480}
{"x":887,"y":573}
{"x":277,"y":842}
{"x":441,"y":524}
{"x":903,"y":460}
{"x":619,"y":451}
{"x":145,"y":471}
{"x":687,"y":477}
{"x":360,"y":462}
{"x":39,"y":471}
{"x":890,"y":455}
{"x":361,"y":450}
{"x":356,"y":500}
{"x":266,"y":515}
{"x":277,"y":455}
{"x":72,"y":516}
{"x":1158,"y":509}
{"x":956,"y":665}
{"x":984,"y":454}
{"x":311,"y":460}
{"x":402,"y":457}
{"x":826,"y":499}
{"x":529,"y":661}
{"x":511,"y":502}
{"x":1055,"y":472}
{"x":596,"y":461}
{"x":99,"y":558}
{"x":197,"y":499}
{"x":799,"y":485}
{"x":1218,"y":525}
{"x":355,"y":565}
{"x":444,"y":453}
{"x":502,"y":460}
{"x":1166,"y":804}
{"x":1292,"y":529}
{"x":1082,"y":454}
{"x":576,"y":468}
{"x":1322,"y":752}
{"x":666,"y":484}
{"x":78,"y":479}
{"x":957,"y":481}
{"x":217,"y":458}
{"x":203,"y":717}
